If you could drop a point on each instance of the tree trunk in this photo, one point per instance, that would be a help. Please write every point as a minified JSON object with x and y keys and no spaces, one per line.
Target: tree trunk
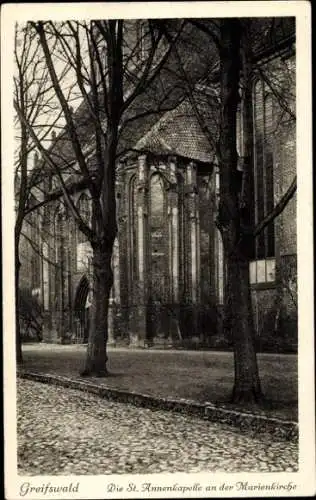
{"x":247,"y":387}
{"x":105,"y":227}
{"x":96,"y":358}
{"x":230,"y":220}
{"x":18,"y":340}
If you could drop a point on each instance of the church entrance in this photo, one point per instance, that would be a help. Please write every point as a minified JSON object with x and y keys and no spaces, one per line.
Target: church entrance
{"x":81,"y":311}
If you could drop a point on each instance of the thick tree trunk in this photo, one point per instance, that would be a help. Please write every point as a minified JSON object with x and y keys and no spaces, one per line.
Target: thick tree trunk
{"x":96,"y":357}
{"x":247,"y":384}
{"x":105,"y":228}
{"x":232,"y":215}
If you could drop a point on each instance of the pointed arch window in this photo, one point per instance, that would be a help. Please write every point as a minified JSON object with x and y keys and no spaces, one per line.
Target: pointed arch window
{"x":263,"y":167}
{"x":262,"y":269}
{"x":57,"y":233}
{"x":157,"y":200}
{"x":84,"y":207}
{"x":219,"y":267}
{"x":67,"y":251}
{"x":58,"y":241}
{"x":34,"y":221}
{"x":133,"y":227}
{"x":158,"y":238}
{"x":143,"y":37}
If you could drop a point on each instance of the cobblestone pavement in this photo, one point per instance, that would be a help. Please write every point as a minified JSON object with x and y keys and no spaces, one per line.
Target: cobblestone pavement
{"x":64,"y":431}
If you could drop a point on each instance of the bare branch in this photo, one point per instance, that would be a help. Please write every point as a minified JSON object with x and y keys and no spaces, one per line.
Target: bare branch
{"x":72,"y":207}
{"x":278,"y":209}
{"x":67,"y":113}
{"x":144,"y":79}
{"x":206,"y":29}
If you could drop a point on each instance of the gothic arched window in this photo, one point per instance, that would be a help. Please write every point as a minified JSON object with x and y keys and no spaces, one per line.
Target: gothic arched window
{"x":219,"y":267}
{"x":84,"y":207}
{"x":133,"y":228}
{"x":57,"y":233}
{"x":67,"y":255}
{"x":262,"y":269}
{"x":58,"y":244}
{"x":263,"y":167}
{"x":159,"y":238}
{"x":156,"y":199}
{"x":34,"y":221}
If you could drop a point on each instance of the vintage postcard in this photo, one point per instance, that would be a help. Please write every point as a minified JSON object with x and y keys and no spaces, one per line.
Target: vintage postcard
{"x":157,"y":250}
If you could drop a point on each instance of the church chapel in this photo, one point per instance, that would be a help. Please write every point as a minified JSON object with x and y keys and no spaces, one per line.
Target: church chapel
{"x":168,"y":261}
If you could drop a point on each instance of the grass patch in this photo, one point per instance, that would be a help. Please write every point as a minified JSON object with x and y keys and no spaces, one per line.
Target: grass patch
{"x":195,"y":375}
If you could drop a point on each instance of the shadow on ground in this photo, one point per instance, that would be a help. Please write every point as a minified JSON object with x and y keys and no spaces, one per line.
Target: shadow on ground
{"x":200,"y":376}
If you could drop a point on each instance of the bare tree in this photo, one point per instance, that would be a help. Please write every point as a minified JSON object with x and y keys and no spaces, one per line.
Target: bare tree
{"x":120,"y":77}
{"x":232,"y":42}
{"x":235,"y":219}
{"x":35,"y":101}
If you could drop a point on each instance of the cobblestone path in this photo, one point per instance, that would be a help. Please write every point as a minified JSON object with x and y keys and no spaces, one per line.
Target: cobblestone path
{"x":63,"y":431}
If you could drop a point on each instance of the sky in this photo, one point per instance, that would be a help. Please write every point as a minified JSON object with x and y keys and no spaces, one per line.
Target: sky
{"x":34,"y":63}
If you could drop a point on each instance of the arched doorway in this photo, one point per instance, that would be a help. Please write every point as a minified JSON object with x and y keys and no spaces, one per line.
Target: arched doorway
{"x":81,"y":311}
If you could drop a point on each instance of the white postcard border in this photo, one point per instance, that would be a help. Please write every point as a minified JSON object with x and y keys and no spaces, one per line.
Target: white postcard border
{"x":96,"y":486}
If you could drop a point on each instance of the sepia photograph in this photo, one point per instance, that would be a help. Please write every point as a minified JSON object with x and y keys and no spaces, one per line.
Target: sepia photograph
{"x":157,"y":223}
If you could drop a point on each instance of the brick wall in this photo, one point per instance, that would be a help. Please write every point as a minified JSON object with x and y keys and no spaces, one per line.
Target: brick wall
{"x":275,"y":307}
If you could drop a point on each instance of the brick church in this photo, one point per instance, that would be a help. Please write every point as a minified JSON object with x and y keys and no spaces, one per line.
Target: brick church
{"x":168,"y":251}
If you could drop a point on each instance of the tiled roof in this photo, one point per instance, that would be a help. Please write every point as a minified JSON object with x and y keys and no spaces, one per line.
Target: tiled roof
{"x":165,"y":129}
{"x":179,"y":133}
{"x":164,"y":93}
